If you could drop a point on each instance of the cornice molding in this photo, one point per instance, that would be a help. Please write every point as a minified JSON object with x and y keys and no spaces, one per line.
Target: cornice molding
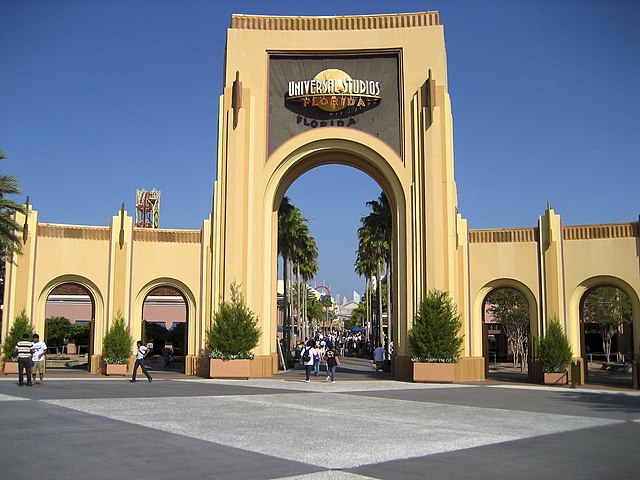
{"x":355,"y":22}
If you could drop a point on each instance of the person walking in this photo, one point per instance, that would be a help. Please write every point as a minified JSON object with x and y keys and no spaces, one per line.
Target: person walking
{"x":24,"y":348}
{"x":38,"y":358}
{"x":316,"y":359}
{"x":307,"y":358}
{"x":378,"y":357}
{"x":333,"y":360}
{"x":143,"y":350}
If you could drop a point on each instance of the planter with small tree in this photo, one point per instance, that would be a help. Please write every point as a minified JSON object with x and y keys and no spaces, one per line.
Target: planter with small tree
{"x":555,"y":354}
{"x":20,"y":326}
{"x":116,"y":348}
{"x":232,"y":336}
{"x":435,"y":339}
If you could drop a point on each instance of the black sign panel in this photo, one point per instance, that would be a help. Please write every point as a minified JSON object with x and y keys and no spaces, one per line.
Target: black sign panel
{"x":312,"y":91}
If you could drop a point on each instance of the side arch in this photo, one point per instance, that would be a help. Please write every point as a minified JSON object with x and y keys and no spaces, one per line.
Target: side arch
{"x":496,"y":284}
{"x":190,"y":303}
{"x":99,"y":320}
{"x":581,"y":289}
{"x":479,"y":303}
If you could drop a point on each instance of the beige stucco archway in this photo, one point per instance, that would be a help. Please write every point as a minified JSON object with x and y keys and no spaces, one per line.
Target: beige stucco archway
{"x":404,"y":143}
{"x":499,"y":283}
{"x":193,"y":348}
{"x":99,"y":324}
{"x":308,"y":151}
{"x":577,"y":296}
{"x":496,"y":284}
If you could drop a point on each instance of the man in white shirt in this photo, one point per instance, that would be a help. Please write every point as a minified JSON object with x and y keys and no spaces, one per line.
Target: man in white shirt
{"x":38,"y":358}
{"x":378,"y":357}
{"x":143,"y":350}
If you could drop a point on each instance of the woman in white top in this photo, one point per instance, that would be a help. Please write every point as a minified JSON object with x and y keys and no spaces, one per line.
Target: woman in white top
{"x":307,"y":358}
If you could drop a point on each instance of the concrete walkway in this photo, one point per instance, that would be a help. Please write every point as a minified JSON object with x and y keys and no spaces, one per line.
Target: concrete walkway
{"x":284,"y":428}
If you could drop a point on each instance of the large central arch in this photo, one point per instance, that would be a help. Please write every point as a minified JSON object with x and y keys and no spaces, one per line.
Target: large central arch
{"x":400,"y":134}
{"x":306,"y":152}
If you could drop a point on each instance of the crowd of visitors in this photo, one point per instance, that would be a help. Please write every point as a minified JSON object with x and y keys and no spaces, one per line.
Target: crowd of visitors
{"x":328,"y":349}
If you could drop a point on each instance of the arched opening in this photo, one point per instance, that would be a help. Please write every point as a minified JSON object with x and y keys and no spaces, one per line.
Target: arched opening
{"x":165,"y":327}
{"x":382,"y":175}
{"x":509,"y":321}
{"x":346,"y":276}
{"x":69,"y":326}
{"x":607,"y":334}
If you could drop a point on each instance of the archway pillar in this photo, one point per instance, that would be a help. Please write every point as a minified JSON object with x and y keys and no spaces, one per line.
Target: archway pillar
{"x":238,"y":231}
{"x":552,"y":273}
{"x":19,"y":277}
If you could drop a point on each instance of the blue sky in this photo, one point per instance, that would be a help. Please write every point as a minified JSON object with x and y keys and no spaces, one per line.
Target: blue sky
{"x":99,"y":98}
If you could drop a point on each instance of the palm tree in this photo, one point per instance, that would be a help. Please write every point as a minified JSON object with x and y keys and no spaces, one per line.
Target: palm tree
{"x":286,"y":224}
{"x":304,"y":258}
{"x":10,"y":241}
{"x":315,"y":311}
{"x":307,"y":270}
{"x":379,"y":225}
{"x":366,"y":266}
{"x":295,"y":246}
{"x":374,"y":246}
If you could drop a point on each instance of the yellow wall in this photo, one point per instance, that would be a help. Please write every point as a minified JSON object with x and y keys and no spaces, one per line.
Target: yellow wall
{"x":118,"y":266}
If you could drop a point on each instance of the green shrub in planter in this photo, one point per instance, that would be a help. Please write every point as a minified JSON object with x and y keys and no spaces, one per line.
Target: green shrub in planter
{"x":116,"y":344}
{"x":434,"y":337}
{"x":20,"y":326}
{"x":234,"y":331}
{"x":554,"y":351}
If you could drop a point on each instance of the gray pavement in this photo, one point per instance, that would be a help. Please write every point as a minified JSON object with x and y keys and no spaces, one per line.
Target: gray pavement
{"x":284,"y":428}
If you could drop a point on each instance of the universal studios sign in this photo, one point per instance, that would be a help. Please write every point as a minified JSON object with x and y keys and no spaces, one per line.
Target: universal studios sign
{"x":356,"y":90}
{"x":333,"y":90}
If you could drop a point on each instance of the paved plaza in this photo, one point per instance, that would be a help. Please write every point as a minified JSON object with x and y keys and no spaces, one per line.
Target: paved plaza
{"x":283,"y":428}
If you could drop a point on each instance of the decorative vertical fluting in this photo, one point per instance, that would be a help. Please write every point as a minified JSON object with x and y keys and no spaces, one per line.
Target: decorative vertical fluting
{"x":552,"y":269}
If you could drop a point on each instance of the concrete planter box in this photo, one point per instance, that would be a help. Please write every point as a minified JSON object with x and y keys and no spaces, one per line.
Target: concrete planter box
{"x":11,"y":368}
{"x":434,"y":372}
{"x":229,"y":368}
{"x":113,"y":369}
{"x":555,"y":378}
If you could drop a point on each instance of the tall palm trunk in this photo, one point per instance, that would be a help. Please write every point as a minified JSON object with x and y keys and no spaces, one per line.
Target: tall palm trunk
{"x":379,"y":291}
{"x":389,"y":328}
{"x":368,"y":304}
{"x":286,"y":327}
{"x":299,"y":299}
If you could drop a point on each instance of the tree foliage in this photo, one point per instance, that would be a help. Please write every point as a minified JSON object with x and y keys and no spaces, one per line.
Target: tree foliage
{"x":435,"y":335}
{"x":20,"y":326}
{"x":58,"y":329}
{"x":234,"y":331}
{"x":374,"y":250}
{"x":117,"y":342}
{"x":555,"y":351}
{"x":510,"y":307}
{"x":10,"y":240}
{"x":80,"y":333}
{"x":606,"y":309}
{"x":299,"y":253}
{"x":358,"y":317}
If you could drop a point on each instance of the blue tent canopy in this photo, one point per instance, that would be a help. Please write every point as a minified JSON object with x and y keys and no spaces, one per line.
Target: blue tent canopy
{"x":357,"y":329}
